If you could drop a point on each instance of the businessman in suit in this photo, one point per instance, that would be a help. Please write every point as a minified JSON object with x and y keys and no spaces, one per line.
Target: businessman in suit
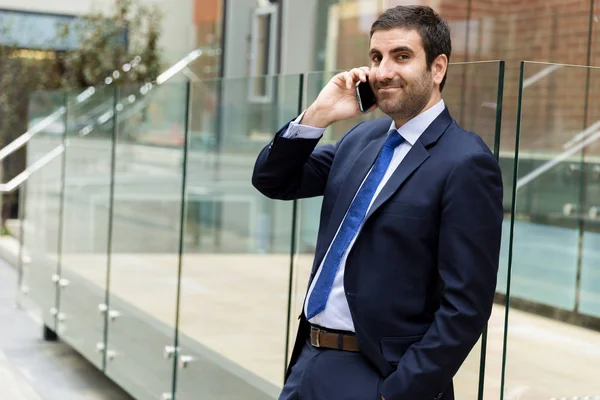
{"x":407,"y":252}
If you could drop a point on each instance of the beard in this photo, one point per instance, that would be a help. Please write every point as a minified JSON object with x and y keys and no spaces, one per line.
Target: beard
{"x":408,"y":100}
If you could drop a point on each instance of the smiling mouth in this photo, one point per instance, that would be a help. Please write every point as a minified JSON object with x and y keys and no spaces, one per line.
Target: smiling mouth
{"x":388,"y":88}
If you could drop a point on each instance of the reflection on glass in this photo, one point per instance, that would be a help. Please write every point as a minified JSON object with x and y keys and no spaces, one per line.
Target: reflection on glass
{"x":546,"y":357}
{"x":236,"y":263}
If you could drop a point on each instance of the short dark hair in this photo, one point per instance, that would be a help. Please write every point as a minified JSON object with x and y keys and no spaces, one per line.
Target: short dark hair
{"x":434,"y":31}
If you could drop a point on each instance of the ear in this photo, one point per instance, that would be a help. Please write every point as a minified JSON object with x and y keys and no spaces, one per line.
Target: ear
{"x":439,"y":68}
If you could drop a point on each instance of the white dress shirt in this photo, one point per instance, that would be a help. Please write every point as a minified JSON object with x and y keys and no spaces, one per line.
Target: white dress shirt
{"x":337,"y":312}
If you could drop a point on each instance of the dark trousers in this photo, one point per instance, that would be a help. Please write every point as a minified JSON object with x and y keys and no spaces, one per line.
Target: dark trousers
{"x":326,"y":374}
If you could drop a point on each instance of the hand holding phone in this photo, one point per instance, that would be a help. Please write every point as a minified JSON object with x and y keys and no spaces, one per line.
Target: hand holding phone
{"x":338,"y":99}
{"x":365,"y":96}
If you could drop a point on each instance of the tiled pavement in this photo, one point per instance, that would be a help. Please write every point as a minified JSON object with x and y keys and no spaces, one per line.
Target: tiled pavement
{"x":33,"y":369}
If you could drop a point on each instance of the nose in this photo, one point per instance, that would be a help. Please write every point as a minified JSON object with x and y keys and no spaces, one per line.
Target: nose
{"x":384,"y":71}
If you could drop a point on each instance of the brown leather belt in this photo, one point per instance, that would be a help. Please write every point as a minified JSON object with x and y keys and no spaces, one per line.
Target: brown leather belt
{"x":320,"y":337}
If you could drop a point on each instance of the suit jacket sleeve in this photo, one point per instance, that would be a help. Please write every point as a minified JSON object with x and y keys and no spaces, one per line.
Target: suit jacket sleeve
{"x":290,"y":169}
{"x":468,"y":254}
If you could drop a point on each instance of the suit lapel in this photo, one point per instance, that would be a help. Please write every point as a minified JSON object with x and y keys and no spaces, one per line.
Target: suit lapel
{"x":413,"y":160}
{"x":357,"y":173}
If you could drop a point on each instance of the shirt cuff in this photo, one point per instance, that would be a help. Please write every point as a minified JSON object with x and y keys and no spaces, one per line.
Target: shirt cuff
{"x":298,"y":131}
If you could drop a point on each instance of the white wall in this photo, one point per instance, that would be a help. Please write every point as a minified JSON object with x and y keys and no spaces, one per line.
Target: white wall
{"x":298,"y":36}
{"x":178,"y":28}
{"x":239,"y":26}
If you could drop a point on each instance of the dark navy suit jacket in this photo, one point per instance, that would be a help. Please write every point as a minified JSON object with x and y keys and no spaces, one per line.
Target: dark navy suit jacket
{"x":421,"y":276}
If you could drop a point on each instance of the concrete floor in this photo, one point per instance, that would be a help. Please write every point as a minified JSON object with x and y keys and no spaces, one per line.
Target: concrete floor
{"x":546,"y":359}
{"x":246,"y":301}
{"x":33,"y":369}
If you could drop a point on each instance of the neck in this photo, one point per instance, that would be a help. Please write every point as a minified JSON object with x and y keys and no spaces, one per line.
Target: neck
{"x":433,"y":100}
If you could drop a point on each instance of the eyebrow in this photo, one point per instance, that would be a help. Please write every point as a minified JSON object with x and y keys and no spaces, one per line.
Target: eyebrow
{"x":398,"y":49}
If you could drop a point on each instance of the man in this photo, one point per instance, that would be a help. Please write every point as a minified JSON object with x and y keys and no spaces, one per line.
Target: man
{"x":407,"y":252}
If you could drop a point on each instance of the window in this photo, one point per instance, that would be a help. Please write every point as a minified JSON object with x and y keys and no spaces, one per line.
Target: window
{"x":262,"y":53}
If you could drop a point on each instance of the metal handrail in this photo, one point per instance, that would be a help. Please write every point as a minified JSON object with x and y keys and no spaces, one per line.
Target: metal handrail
{"x":593,"y":136}
{"x":543,"y":73}
{"x":22,"y":140}
{"x":15,"y":182}
{"x":582,"y":139}
{"x":180,"y":66}
{"x":528,"y":82}
{"x":26,"y":137}
{"x":590,"y":130}
{"x":81,"y":97}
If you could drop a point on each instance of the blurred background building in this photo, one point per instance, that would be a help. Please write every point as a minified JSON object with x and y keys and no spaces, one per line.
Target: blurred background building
{"x":132,"y":127}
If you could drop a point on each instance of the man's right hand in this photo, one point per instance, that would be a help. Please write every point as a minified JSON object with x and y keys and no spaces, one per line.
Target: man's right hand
{"x":337,"y":100}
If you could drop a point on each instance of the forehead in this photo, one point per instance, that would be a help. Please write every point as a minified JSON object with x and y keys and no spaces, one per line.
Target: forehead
{"x":389,"y":39}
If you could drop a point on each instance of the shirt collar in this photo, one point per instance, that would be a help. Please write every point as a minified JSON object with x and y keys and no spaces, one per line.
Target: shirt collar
{"x":412,"y":130}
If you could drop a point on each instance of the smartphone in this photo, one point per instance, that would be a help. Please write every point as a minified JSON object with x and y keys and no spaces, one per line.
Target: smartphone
{"x":365,"y":96}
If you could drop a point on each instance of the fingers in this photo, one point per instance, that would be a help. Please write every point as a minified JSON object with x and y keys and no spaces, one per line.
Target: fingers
{"x":349,"y":79}
{"x":359,"y":74}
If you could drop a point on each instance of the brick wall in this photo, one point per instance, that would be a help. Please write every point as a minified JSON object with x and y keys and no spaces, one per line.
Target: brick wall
{"x":513,"y":30}
{"x":547,"y":31}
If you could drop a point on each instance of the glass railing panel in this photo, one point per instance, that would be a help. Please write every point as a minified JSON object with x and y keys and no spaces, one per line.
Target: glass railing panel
{"x":548,"y":346}
{"x":471,"y":93}
{"x":144,"y":245}
{"x":41,"y":226}
{"x":86,"y":201}
{"x":588,"y":301}
{"x":236,"y":264}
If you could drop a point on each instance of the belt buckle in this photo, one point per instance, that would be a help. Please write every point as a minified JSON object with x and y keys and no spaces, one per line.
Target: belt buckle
{"x":317,"y":335}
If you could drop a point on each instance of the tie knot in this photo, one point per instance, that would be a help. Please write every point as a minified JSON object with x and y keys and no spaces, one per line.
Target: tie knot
{"x":393,"y":139}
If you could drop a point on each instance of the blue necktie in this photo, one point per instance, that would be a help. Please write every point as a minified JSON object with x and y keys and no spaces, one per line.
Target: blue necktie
{"x":351,"y":224}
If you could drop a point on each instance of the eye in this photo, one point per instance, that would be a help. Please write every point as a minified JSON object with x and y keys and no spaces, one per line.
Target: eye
{"x":376,"y":58}
{"x":403,"y":57}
